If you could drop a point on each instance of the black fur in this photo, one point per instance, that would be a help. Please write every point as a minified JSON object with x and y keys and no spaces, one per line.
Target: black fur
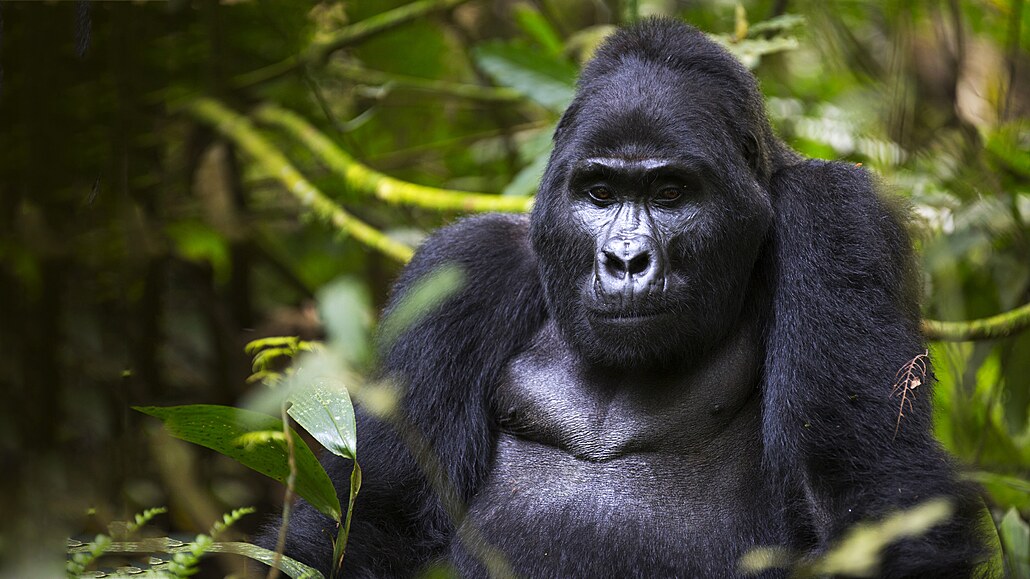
{"x":792,"y":308}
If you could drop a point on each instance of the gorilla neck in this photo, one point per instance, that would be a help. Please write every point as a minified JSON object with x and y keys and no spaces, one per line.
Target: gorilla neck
{"x":553,"y":396}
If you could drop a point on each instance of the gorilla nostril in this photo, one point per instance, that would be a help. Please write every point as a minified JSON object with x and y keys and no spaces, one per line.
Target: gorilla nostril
{"x":614,"y":265}
{"x":639,"y":264}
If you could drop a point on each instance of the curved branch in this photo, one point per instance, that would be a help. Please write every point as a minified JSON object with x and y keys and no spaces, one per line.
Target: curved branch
{"x":467,"y":91}
{"x":319,"y":50}
{"x":363,"y":178}
{"x":1000,"y":326}
{"x":240,"y":130}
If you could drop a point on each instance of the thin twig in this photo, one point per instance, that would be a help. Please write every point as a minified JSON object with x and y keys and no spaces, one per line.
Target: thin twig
{"x":468,"y":91}
{"x":320,"y":50}
{"x":291,"y":479}
{"x":908,"y":378}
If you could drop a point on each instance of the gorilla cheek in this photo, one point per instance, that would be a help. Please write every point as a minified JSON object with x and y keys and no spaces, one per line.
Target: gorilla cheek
{"x":708,"y":284}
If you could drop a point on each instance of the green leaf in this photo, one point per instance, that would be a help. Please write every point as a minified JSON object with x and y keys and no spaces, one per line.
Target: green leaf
{"x":536,"y":26}
{"x":1011,"y":144}
{"x":778,"y":24}
{"x":344,"y":306}
{"x":287,"y":565}
{"x":994,"y":565}
{"x":547,"y":80}
{"x":1005,"y":490}
{"x":584,"y":43}
{"x":750,"y":51}
{"x":859,"y":552}
{"x":225,"y":429}
{"x":1015,"y":540}
{"x":527,"y":180}
{"x":325,"y":411}
{"x":255,"y":346}
{"x":199,"y":243}
{"x":424,"y":296}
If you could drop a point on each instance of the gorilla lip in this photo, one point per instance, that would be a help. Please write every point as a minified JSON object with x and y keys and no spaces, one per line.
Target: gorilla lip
{"x":627,"y":318}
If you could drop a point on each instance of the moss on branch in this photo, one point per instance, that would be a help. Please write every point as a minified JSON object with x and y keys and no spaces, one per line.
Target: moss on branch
{"x":241,"y":131}
{"x":363,"y":178}
{"x":1000,"y":326}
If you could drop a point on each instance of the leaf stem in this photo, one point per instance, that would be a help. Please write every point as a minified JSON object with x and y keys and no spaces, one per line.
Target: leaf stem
{"x":340,"y":547}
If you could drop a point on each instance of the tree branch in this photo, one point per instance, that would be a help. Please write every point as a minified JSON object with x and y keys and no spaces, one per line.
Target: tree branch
{"x":363,"y":178}
{"x":320,"y":50}
{"x":468,"y":91}
{"x":1000,"y":326}
{"x":240,"y":130}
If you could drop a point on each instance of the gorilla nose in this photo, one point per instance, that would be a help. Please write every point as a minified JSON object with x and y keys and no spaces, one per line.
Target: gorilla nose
{"x":627,"y":265}
{"x":619,"y":266}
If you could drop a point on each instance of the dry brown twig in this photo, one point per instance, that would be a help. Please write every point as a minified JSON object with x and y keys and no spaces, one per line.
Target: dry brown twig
{"x":908,"y":378}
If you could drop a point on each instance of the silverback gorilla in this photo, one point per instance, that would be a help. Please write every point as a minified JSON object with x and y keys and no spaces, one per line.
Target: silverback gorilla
{"x":686,"y":352}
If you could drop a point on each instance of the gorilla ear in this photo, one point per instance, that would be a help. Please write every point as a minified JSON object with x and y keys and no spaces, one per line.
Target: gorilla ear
{"x":757,"y":156}
{"x":567,"y":118}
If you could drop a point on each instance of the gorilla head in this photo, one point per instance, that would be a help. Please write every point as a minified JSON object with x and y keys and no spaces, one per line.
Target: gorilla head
{"x":654,"y":206}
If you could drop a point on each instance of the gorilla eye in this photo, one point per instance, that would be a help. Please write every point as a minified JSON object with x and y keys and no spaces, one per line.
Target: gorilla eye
{"x":670,"y":194}
{"x":600,"y":194}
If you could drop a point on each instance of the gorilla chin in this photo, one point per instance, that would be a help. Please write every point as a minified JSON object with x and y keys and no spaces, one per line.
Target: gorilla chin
{"x":642,"y":335}
{"x":634,"y":340}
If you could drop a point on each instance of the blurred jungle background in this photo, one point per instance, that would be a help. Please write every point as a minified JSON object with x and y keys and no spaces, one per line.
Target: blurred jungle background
{"x":180,"y":178}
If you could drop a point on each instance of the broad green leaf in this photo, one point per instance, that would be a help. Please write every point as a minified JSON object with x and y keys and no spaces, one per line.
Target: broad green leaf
{"x":324,"y":409}
{"x":1015,"y":540}
{"x":536,"y":26}
{"x":1005,"y":490}
{"x":994,"y":565}
{"x":227,"y":430}
{"x":547,"y":80}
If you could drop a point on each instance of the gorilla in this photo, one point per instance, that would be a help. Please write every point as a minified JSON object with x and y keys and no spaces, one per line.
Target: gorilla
{"x":686,"y":352}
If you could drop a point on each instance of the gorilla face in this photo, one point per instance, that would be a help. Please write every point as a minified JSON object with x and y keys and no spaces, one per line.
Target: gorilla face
{"x":649,"y":220}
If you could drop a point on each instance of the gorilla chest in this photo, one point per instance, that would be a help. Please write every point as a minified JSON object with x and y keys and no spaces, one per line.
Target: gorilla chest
{"x":602,"y":472}
{"x":674,"y":415}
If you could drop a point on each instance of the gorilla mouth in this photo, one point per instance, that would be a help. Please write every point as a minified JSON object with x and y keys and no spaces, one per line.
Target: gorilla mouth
{"x":628,"y":318}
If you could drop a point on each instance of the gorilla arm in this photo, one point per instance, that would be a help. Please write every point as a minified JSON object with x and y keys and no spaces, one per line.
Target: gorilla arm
{"x":846,"y":320}
{"x":447,"y":365}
